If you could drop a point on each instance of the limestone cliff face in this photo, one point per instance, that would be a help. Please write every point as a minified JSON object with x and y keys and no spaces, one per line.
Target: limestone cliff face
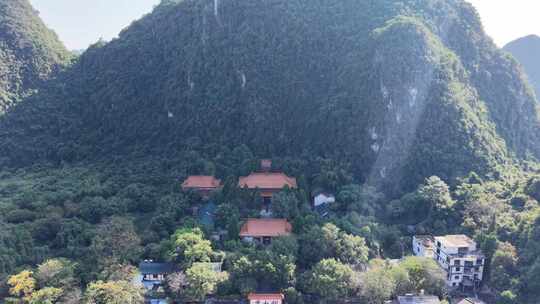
{"x":405,"y":72}
{"x":426,"y":104}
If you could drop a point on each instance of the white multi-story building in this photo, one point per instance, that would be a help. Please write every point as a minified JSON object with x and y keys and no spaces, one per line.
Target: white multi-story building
{"x":458,"y":255}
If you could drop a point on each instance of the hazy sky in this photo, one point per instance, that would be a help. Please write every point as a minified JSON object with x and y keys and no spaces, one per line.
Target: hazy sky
{"x":80,"y":23}
{"x":504,"y":20}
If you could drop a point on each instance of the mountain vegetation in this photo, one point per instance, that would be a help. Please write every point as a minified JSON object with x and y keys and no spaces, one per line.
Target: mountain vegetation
{"x":355,"y":91}
{"x":525,"y":50}
{"x":29,"y":52}
{"x":405,"y":110}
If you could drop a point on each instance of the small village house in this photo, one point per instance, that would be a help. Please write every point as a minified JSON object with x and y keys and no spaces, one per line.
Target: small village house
{"x":154,"y":274}
{"x":202,"y":184}
{"x":322,"y":202}
{"x":323,"y":198}
{"x":266,"y":298}
{"x":262,"y":231}
{"x":457,"y":255}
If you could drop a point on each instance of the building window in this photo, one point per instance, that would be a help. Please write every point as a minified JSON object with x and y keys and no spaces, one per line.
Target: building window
{"x":454,"y":284}
{"x":458,"y":268}
{"x":479,"y":261}
{"x":457,"y":262}
{"x":456,"y":277}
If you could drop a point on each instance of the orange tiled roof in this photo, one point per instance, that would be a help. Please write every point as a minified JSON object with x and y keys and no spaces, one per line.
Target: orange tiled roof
{"x":201,"y":181}
{"x":267,"y":181}
{"x":265,"y":296}
{"x":266,"y":227}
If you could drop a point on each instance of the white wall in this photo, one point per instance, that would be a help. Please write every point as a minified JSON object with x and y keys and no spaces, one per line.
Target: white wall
{"x":323,"y":199}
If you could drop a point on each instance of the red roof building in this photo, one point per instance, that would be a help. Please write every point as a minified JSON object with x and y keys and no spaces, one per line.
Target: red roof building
{"x":201,"y":183}
{"x":266,"y":298}
{"x":268,"y":183}
{"x":263,"y":230}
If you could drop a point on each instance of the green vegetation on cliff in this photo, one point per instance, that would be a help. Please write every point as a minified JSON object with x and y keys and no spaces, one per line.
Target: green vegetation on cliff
{"x":29,"y":52}
{"x":405,"y":110}
{"x":399,"y":90}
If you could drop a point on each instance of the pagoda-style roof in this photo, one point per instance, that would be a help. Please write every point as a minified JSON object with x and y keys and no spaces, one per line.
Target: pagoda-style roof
{"x":201,"y":182}
{"x":265,"y":228}
{"x":267,"y":180}
{"x":265,"y":297}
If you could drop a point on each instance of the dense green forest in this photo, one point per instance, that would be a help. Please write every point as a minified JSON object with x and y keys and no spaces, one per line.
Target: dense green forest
{"x":405,"y":110}
{"x":401,"y":90}
{"x":29,"y":52}
{"x":105,"y":218}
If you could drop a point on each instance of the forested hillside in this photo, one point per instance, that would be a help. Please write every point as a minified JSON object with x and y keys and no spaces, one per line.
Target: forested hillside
{"x":405,"y":110}
{"x":29,"y":52}
{"x":401,"y":90}
{"x":526,"y":51}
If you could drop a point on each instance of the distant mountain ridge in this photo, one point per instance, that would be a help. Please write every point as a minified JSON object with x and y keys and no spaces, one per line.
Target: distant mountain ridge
{"x":400,"y":89}
{"x":527,"y":51}
{"x":29,"y":51}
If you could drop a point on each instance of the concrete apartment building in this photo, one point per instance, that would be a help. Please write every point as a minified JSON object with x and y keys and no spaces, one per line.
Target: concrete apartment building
{"x":458,"y":255}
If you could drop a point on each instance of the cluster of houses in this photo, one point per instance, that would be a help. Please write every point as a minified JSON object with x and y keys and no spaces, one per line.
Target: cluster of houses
{"x":254,"y":230}
{"x":457,"y":255}
{"x":267,"y":183}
